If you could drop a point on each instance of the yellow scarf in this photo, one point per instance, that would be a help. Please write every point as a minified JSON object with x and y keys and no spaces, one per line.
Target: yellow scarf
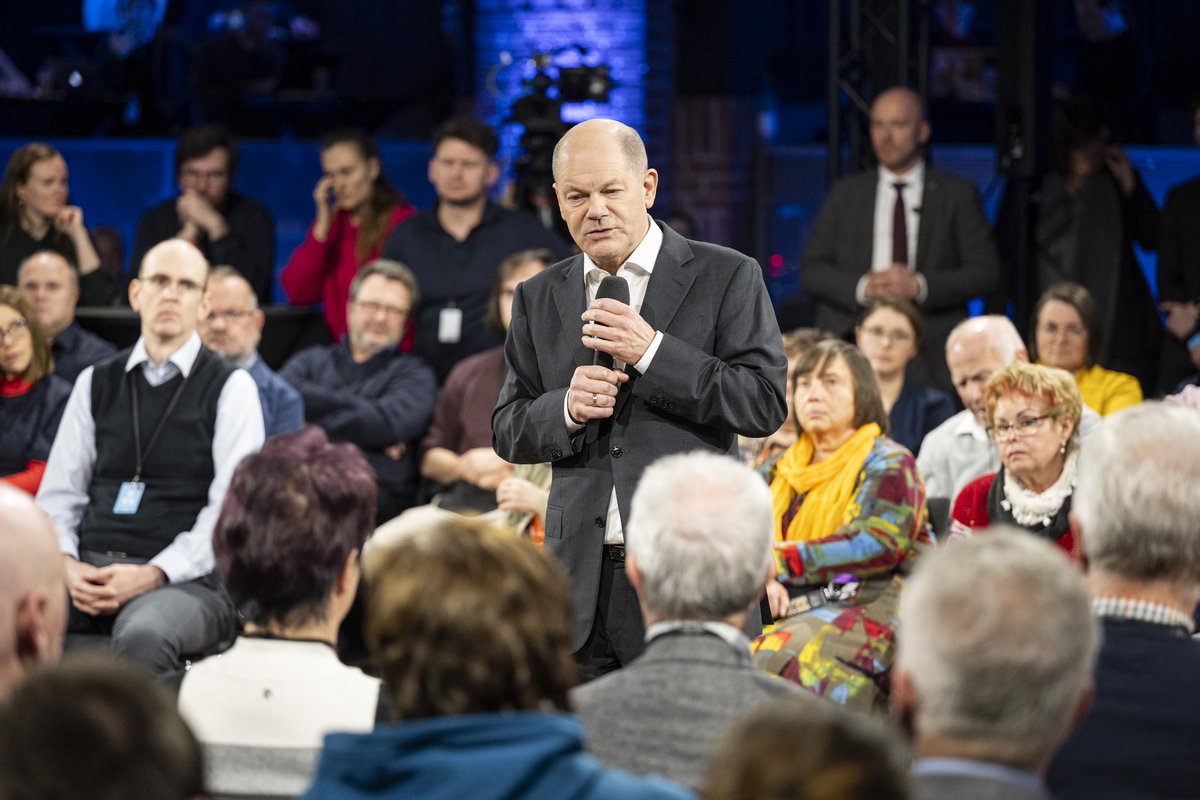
{"x":829,"y":486}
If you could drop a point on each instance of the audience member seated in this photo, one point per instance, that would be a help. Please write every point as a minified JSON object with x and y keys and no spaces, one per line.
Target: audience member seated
{"x":960,"y":449}
{"x":232,"y":328}
{"x":522,"y":498}
{"x":364,"y":390}
{"x":758,"y":453}
{"x":357,"y":207}
{"x":471,"y":628}
{"x":32,"y":398}
{"x":95,"y":728}
{"x":1177,"y":279}
{"x":849,"y":513}
{"x":51,"y":287}
{"x":1067,"y":335}
{"x":1093,"y":208}
{"x":226,"y":226}
{"x":792,"y":749}
{"x":995,"y":666}
{"x":457,"y":451}
{"x":110,"y":247}
{"x":35,"y":215}
{"x":699,"y":555}
{"x":135,"y":480}
{"x":33,"y":594}
{"x":1136,"y":508}
{"x":454,"y":247}
{"x":287,"y":543}
{"x":889,"y":335}
{"x":1032,"y":413}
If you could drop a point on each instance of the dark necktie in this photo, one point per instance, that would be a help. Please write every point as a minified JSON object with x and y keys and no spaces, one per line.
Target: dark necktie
{"x":899,"y":227}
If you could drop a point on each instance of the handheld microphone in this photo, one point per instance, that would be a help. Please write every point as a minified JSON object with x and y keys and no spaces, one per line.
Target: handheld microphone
{"x":616,"y":288}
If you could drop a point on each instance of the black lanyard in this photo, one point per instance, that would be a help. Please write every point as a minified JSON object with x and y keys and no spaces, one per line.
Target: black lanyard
{"x":137,"y":426}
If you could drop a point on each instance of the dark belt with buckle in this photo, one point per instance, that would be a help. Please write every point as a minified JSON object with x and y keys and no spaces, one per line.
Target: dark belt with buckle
{"x":615,"y":551}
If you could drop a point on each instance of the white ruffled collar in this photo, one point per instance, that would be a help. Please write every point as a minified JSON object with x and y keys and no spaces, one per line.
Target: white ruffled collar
{"x":1030,"y":508}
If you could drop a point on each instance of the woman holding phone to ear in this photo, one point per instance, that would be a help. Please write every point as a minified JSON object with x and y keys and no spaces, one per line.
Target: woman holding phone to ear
{"x":356,"y":209}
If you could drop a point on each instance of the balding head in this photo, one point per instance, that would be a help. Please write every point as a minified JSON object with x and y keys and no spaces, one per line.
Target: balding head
{"x":976,"y":349}
{"x":898,"y":129}
{"x":33,"y":593}
{"x":51,"y":286}
{"x":168,"y":292}
{"x":604,"y":190}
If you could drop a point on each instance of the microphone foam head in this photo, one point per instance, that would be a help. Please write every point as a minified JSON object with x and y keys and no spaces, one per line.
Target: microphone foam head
{"x":614,"y":287}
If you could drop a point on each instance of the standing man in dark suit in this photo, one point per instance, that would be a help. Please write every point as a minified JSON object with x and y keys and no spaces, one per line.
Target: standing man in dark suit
{"x":905,"y":230}
{"x":697,"y":360}
{"x":699,"y":558}
{"x":994,"y":667}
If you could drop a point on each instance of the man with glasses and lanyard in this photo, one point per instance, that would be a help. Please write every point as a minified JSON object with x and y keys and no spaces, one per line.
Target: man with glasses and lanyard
{"x":138,"y":471}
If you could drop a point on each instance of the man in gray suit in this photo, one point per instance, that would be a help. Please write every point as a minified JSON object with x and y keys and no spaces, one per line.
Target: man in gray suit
{"x":697,"y":360}
{"x":903,"y":230}
{"x":994,"y":667}
{"x":699,"y":557}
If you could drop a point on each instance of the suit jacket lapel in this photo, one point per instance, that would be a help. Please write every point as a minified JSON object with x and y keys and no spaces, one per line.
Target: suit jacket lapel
{"x":569,"y":298}
{"x":930,"y":207}
{"x":669,"y":282}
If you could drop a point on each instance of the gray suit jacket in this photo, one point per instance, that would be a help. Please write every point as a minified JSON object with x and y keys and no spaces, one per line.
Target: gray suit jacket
{"x":955,"y":253}
{"x":971,"y":787}
{"x":719,"y":372}
{"x":668,"y":710}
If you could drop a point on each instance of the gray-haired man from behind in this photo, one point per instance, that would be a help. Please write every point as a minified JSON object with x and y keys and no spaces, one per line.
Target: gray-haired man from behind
{"x":698,"y":556}
{"x":1136,"y":509}
{"x":994,"y":667}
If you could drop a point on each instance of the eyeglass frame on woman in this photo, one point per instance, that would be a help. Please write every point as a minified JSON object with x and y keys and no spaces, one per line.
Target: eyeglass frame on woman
{"x":891,"y":337}
{"x":15,"y":327}
{"x":1022,"y":427}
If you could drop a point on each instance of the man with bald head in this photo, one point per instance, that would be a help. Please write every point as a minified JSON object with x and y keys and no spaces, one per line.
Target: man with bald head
{"x":903,"y":230}
{"x":960,"y":450}
{"x":601,"y":388}
{"x":138,"y":471}
{"x":33,"y":596}
{"x":51,"y":286}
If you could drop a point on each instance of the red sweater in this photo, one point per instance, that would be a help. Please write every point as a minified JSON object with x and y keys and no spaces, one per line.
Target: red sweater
{"x":970,"y":512}
{"x":30,"y":478}
{"x":322,"y":271}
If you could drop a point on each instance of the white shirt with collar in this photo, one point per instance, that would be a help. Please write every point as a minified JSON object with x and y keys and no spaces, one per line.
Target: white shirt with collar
{"x":63,"y":494}
{"x":636,"y":271}
{"x":885,"y":202}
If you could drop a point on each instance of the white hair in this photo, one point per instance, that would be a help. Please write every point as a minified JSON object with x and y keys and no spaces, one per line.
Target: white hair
{"x":1138,"y":498}
{"x":998,"y":640}
{"x":1001,"y":334}
{"x":700,"y":532}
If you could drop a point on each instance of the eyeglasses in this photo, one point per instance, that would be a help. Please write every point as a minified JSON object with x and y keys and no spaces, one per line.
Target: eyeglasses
{"x":210,"y":175}
{"x":376,"y":308}
{"x":160,"y":283}
{"x":1072,"y":330}
{"x":1020,"y":429}
{"x":882,"y":335}
{"x":15,"y":329}
{"x":228,"y":316}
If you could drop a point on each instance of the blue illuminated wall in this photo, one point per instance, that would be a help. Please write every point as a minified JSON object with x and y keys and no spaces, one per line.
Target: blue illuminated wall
{"x":509,"y":32}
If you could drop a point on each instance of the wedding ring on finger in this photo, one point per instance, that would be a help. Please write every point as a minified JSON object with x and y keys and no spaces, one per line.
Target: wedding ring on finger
{"x":594,"y":400}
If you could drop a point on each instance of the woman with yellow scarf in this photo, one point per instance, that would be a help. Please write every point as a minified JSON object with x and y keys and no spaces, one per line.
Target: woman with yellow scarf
{"x":849,"y":515}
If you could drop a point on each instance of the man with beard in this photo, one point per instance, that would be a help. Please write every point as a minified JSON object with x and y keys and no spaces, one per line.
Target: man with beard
{"x":455,"y":247}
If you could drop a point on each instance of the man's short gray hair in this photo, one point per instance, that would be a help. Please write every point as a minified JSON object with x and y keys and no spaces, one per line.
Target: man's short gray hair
{"x":1138,"y":498}
{"x":1000,"y":331}
{"x":225,"y":272}
{"x":998,"y":640}
{"x":700,"y":532}
{"x":393,"y":271}
{"x":628,"y":139}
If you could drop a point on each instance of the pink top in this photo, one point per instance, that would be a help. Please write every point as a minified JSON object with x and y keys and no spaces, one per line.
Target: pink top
{"x":322,"y":271}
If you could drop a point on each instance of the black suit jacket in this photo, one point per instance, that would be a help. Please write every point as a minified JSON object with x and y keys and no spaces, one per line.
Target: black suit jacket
{"x":719,"y":372}
{"x":955,"y":253}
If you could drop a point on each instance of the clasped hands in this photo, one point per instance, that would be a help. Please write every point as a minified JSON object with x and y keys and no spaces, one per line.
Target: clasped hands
{"x":895,"y":281}
{"x":612,"y":327}
{"x":101,"y":591}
